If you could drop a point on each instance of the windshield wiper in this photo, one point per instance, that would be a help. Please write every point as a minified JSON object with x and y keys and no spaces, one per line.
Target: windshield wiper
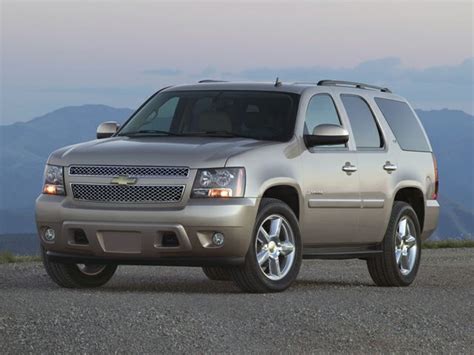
{"x":149,"y":132}
{"x":153,"y":132}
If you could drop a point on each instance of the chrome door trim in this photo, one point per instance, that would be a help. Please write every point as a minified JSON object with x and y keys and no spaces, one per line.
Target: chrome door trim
{"x":334,"y":203}
{"x":373,"y":203}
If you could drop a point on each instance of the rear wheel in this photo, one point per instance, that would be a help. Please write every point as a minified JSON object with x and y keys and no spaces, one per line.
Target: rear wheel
{"x":78,"y":275}
{"x":273,"y":260}
{"x":398,"y":264}
{"x":217,"y":273}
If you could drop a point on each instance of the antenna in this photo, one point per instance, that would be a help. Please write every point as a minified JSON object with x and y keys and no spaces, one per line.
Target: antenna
{"x":277,"y":82}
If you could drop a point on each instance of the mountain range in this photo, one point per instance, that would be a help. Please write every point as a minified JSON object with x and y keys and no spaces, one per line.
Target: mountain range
{"x":25,"y":146}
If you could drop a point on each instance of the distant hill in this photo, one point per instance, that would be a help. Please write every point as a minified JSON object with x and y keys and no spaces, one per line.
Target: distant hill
{"x":25,"y":148}
{"x":451,"y":134}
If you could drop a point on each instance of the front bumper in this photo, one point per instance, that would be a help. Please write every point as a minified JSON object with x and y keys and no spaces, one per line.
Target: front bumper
{"x":127,"y":235}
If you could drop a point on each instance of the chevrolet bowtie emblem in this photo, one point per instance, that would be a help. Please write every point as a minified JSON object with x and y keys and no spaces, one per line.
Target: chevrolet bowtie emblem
{"x":123,"y":180}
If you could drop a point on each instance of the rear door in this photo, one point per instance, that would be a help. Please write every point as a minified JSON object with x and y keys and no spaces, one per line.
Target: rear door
{"x":330,"y":183}
{"x":377,"y":166}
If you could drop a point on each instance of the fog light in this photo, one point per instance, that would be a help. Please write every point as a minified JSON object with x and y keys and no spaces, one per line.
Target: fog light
{"x":218,"y":239}
{"x":49,"y":234}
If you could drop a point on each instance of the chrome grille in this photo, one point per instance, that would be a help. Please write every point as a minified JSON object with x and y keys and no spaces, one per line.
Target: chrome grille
{"x":135,"y":171}
{"x":127,"y":194}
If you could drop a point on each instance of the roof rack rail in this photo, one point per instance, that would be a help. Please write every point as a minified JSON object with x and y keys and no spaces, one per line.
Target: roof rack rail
{"x":304,"y":83}
{"x":211,"y":81}
{"x":351,"y":83}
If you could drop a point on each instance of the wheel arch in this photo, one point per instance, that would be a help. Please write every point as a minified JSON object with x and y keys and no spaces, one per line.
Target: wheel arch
{"x":415,"y":197}
{"x":287,"y":192}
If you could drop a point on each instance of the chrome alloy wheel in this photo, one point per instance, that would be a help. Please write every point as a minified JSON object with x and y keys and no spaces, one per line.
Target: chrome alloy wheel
{"x":90,"y":269}
{"x":275,"y":247}
{"x":405,"y":246}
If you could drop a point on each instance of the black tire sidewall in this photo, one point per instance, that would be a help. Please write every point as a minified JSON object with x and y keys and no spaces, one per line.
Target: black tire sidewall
{"x":90,"y":280}
{"x":217,"y":273}
{"x":69,"y":275}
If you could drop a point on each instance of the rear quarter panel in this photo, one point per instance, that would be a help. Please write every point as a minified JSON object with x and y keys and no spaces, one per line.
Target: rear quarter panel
{"x":415,"y":169}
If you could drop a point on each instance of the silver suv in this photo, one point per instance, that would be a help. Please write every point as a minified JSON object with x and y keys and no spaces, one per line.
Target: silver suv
{"x":244,"y":180}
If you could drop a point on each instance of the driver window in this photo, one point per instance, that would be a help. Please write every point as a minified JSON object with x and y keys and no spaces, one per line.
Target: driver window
{"x":321,"y":110}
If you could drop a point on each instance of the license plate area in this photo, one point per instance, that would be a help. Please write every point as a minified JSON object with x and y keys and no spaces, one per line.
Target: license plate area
{"x":124,"y":242}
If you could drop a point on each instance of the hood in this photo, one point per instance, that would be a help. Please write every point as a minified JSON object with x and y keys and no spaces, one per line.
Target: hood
{"x":193,"y":152}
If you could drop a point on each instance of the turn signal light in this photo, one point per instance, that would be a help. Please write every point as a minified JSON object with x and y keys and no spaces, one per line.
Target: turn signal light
{"x":50,"y":189}
{"x":220,"y":193}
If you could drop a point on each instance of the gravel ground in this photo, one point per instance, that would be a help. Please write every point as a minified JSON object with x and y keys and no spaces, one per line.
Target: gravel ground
{"x":333,"y":307}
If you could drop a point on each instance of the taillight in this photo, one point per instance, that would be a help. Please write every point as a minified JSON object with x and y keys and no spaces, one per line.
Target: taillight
{"x":435,"y":192}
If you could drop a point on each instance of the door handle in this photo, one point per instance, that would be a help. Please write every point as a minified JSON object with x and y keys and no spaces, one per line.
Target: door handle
{"x":389,"y":167}
{"x":349,"y":168}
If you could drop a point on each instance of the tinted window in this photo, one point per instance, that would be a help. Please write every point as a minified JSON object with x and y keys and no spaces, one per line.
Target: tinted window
{"x":160,"y":119}
{"x":320,"y":110}
{"x":404,"y":125}
{"x":365,"y":129}
{"x":254,"y":114}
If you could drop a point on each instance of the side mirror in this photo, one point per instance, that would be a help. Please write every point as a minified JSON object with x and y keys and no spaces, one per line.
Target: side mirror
{"x":107,"y":129}
{"x":326,"y":134}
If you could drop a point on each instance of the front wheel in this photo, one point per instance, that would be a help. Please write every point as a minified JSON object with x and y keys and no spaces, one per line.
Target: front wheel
{"x":398,"y":264}
{"x":216,"y":273}
{"x":274,"y":257}
{"x":78,"y":275}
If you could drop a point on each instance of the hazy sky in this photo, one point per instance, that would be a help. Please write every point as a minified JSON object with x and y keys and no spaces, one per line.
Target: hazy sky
{"x":60,"y":53}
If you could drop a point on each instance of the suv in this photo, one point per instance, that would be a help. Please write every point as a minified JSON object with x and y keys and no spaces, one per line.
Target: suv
{"x":244,"y":180}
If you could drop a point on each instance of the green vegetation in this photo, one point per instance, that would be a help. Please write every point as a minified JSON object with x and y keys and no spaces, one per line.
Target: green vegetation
{"x":449,"y":243}
{"x":6,"y":257}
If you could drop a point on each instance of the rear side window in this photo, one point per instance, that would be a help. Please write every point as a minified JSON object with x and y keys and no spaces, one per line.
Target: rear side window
{"x":403,"y":124}
{"x":365,"y":129}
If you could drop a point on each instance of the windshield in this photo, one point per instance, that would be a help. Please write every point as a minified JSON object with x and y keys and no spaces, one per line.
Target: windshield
{"x":254,"y":114}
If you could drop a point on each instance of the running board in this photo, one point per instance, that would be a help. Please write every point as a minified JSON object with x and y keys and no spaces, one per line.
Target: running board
{"x":341,"y":252}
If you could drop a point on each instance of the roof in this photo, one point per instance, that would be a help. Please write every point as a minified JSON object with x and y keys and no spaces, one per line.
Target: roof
{"x":286,"y":87}
{"x":256,"y":86}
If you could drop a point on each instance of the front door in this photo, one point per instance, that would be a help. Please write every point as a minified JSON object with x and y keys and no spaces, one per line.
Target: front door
{"x":330,"y":184}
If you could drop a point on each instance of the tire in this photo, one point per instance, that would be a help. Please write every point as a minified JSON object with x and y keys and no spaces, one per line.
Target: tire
{"x":284,"y":250}
{"x":71,"y":276}
{"x":217,"y":273}
{"x":396,"y":266}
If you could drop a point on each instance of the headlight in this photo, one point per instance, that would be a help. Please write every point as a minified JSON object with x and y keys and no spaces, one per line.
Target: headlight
{"x":54,"y":180}
{"x":225,"y":182}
